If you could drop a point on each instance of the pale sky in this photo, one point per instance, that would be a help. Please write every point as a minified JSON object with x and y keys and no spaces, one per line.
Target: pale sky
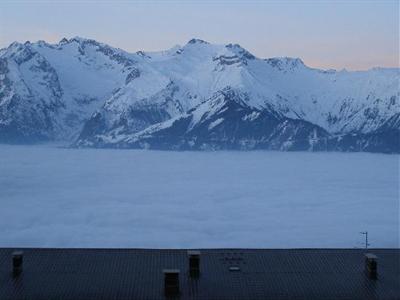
{"x":351,"y":34}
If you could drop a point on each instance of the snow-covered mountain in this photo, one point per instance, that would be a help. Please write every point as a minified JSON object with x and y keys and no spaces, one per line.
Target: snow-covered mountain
{"x":199,"y":96}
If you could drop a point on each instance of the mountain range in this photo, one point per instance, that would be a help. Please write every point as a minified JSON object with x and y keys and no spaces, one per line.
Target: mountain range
{"x":199,"y":96}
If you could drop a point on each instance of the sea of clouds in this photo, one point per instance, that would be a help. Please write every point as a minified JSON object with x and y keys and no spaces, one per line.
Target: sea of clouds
{"x":56,"y":197}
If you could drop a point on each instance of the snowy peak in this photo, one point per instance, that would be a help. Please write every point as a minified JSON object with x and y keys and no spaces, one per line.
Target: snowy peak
{"x":285,"y":63}
{"x":235,"y":55}
{"x":63,"y":41}
{"x":229,"y":51}
{"x":195,"y":41}
{"x":240,"y":52}
{"x":220,"y":102}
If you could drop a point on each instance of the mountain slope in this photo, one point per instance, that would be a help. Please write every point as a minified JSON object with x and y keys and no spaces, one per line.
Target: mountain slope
{"x":48,"y":91}
{"x":225,"y":121}
{"x":98,"y":96}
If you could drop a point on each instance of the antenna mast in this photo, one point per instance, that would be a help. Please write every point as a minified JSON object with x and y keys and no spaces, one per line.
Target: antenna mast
{"x":366,"y":238}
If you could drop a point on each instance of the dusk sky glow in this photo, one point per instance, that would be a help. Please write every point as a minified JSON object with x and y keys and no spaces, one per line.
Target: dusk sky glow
{"x":355,"y":35}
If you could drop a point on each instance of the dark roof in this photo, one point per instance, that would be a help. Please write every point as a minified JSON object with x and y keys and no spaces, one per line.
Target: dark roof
{"x":137,"y":274}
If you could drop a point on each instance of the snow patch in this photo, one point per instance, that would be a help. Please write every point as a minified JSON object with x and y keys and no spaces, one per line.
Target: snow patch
{"x":251,"y":117}
{"x":215,"y":123}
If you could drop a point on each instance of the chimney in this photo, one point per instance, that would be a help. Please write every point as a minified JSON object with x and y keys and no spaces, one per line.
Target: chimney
{"x":17,"y":260}
{"x":194,"y":263}
{"x":371,"y":265}
{"x":171,"y":282}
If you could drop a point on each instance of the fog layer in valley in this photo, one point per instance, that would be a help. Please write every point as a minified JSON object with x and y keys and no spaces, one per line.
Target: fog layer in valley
{"x":54,"y":197}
